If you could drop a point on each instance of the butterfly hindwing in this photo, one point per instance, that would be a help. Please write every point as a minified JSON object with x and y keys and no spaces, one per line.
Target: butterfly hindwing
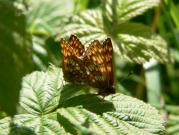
{"x":94,"y":63}
{"x":107,"y":44}
{"x":100,"y":57}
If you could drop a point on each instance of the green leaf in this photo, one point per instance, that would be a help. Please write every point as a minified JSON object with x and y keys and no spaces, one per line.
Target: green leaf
{"x":138,"y":49}
{"x":173,"y":12}
{"x":118,"y":114}
{"x":173,"y":124}
{"x":41,"y":91}
{"x":80,"y":5}
{"x":88,"y":25}
{"x":40,"y":54}
{"x":29,"y":124}
{"x":133,"y":28}
{"x":175,"y":54}
{"x":172,"y":119}
{"x":121,"y":11}
{"x":15,"y":55}
{"x":78,"y":114}
{"x":69,"y":90}
{"x":132,"y":41}
{"x":44,"y":16}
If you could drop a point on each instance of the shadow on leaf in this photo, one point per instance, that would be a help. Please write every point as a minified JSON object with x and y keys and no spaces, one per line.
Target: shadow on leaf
{"x":20,"y":130}
{"x":74,"y":128}
{"x":90,"y":102}
{"x":66,"y":124}
{"x":70,"y":90}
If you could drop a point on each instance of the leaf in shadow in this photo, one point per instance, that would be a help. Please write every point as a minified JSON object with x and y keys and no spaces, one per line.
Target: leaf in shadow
{"x":91,"y":102}
{"x":16,"y":129}
{"x":70,"y":90}
{"x":15,"y":55}
{"x":66,"y":124}
{"x":74,"y":126}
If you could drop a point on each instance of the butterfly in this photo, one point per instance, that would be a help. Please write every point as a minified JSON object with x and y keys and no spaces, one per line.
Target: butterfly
{"x":92,"y":66}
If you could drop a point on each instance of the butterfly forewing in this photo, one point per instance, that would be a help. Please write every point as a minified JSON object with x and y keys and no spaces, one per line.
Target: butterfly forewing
{"x":78,"y":48}
{"x":72,"y":64}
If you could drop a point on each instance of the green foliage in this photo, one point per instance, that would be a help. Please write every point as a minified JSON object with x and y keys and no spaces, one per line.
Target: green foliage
{"x":124,"y":10}
{"x":168,"y":28}
{"x":173,"y":12}
{"x":49,"y":105}
{"x":43,"y":18}
{"x":46,"y":111}
{"x":173,"y":122}
{"x":132,"y":41}
{"x":80,"y":5}
{"x":15,"y":55}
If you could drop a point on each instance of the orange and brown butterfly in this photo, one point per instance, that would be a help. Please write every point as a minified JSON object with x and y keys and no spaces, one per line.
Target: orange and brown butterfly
{"x":92,"y":66}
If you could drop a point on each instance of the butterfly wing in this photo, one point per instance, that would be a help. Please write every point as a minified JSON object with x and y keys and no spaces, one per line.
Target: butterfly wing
{"x":93,"y":67}
{"x":78,"y":48}
{"x":98,"y":64}
{"x":108,"y":50}
{"x":71,"y":62}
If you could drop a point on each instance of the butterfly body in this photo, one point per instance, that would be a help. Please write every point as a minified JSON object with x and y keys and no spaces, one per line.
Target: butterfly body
{"x":92,"y":66}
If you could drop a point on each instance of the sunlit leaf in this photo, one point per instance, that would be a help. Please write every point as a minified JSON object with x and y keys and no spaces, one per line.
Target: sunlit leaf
{"x":120,"y":11}
{"x":133,"y":41}
{"x":41,"y":91}
{"x":44,"y":15}
{"x":48,"y":112}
